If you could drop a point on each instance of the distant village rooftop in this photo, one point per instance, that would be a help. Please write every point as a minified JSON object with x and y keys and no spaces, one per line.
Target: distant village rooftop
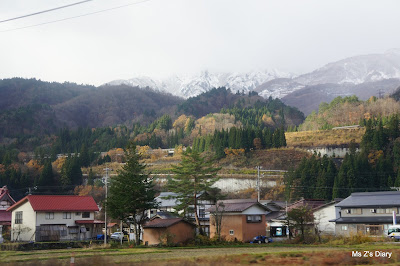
{"x":369,"y":199}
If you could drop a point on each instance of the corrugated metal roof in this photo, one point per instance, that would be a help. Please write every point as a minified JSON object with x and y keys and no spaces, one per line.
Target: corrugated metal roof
{"x":237,"y":205}
{"x":163,"y":202}
{"x":162,"y":223}
{"x":371,"y":199}
{"x":58,"y":203}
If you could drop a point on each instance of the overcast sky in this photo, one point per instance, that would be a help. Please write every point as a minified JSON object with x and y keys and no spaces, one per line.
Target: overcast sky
{"x":162,"y":37}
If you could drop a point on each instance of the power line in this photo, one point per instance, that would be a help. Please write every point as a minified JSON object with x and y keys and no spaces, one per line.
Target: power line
{"x":44,"y":11}
{"x":78,"y":16}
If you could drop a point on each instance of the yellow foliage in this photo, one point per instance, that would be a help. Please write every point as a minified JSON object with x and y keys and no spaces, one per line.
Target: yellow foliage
{"x":57,"y":164}
{"x":142,"y":150}
{"x":267,"y":120}
{"x":178,"y":150}
{"x":213,"y":122}
{"x":374,"y":156}
{"x":180,"y":122}
{"x":34,"y":165}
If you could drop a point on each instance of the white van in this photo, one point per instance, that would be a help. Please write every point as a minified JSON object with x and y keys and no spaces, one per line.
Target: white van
{"x":394,"y":231}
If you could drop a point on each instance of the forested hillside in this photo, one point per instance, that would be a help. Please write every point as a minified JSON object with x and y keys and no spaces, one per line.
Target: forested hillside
{"x":344,"y":111}
{"x":33,"y":108}
{"x":375,"y":167}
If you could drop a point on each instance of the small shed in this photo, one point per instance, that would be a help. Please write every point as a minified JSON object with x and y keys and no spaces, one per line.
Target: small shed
{"x":167,"y":231}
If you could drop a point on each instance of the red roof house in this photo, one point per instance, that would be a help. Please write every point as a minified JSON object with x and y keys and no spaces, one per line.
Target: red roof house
{"x":54,"y":218}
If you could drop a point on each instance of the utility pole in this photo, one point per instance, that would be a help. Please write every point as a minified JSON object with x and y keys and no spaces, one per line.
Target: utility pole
{"x":258,"y":182}
{"x":380,"y":93}
{"x":105,"y":209}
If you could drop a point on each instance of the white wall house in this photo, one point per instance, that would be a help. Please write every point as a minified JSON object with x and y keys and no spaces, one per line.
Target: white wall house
{"x":322,"y":215}
{"x":54,"y":218}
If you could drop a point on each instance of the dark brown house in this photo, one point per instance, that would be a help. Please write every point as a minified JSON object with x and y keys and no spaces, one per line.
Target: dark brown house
{"x":167,"y":231}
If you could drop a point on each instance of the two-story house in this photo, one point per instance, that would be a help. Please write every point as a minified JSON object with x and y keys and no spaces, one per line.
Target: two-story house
{"x":54,"y":218}
{"x":6,"y":201}
{"x":167,"y":202}
{"x":241,"y":219}
{"x":367,"y":212}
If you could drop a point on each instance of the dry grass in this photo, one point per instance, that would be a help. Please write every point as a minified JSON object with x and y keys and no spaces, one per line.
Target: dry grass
{"x":258,"y":254}
{"x":320,"y":138}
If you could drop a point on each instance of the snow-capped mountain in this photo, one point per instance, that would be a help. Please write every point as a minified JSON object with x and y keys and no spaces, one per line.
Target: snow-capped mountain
{"x":188,"y":86}
{"x":344,"y":77}
{"x":356,"y":70}
{"x":363,"y":76}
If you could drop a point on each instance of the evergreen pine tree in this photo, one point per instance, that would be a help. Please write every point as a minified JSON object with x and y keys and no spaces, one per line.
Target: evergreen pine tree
{"x":192,"y":176}
{"x":132,"y":192}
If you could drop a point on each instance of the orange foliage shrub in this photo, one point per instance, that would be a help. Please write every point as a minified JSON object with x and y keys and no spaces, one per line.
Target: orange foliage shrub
{"x":23,"y":157}
{"x":98,"y":193}
{"x":116,"y":155}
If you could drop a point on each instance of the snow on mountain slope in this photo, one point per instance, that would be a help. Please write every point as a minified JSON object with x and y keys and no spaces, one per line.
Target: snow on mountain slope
{"x":353,"y":70}
{"x":189,"y":86}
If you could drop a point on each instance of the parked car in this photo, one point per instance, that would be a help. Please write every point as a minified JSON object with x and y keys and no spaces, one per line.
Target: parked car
{"x":118,"y":236}
{"x":261,"y":239}
{"x":394,"y":232}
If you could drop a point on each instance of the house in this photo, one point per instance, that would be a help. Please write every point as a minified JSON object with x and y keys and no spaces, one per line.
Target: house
{"x":367,"y":212}
{"x":277,"y":221}
{"x":54,"y":218}
{"x":167,"y":203}
{"x":323,"y":215}
{"x":6,"y":201}
{"x":275,"y":210}
{"x":167,"y":231}
{"x":242,"y":219}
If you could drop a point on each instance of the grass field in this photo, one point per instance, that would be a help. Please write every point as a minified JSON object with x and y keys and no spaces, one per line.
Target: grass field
{"x":322,"y":138}
{"x":271,"y":254}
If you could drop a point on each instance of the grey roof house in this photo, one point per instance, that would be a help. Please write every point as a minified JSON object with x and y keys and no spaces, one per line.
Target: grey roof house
{"x":367,"y":212}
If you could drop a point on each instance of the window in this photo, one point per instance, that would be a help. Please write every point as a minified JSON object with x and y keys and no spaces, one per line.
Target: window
{"x":18,"y":217}
{"x":66,"y":215}
{"x":390,"y":210}
{"x":253,"y":218}
{"x":344,"y":227}
{"x":85,"y":214}
{"x":73,"y":229}
{"x":380,"y":211}
{"x":355,"y":211}
{"x":49,"y":215}
{"x":231,"y":232}
{"x":77,"y":214}
{"x":63,"y":231}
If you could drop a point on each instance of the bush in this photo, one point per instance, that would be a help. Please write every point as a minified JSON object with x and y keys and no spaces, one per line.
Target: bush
{"x":46,"y":245}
